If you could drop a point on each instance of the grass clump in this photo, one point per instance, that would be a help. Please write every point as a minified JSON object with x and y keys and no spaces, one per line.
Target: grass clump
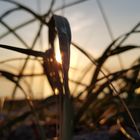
{"x":72,"y":112}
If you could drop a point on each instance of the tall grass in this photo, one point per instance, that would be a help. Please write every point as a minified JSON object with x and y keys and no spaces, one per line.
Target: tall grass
{"x":91,"y":108}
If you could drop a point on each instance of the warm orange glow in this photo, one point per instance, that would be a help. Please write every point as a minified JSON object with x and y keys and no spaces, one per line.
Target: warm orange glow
{"x":56,"y":91}
{"x":58,"y":56}
{"x":57,"y":51}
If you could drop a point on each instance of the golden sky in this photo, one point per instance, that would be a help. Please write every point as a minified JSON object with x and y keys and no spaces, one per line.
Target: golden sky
{"x":88,"y":30}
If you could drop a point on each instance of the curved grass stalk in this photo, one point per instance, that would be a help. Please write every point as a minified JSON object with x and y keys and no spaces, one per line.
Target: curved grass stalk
{"x":14,"y":33}
{"x":18,"y":27}
{"x":120,"y":72}
{"x":59,"y":26}
{"x":16,"y":59}
{"x":82,"y":77}
{"x":122,"y":129}
{"x":69,"y":5}
{"x":11,"y":77}
{"x":43,"y":16}
{"x":108,"y":28}
{"x":5,"y":14}
{"x":26,"y":61}
{"x":116,"y":93}
{"x":28,"y":10}
{"x":29,"y":52}
{"x":26,"y":22}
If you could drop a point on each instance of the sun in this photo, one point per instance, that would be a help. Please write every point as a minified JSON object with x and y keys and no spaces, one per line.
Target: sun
{"x":57,"y":51}
{"x":58,"y":56}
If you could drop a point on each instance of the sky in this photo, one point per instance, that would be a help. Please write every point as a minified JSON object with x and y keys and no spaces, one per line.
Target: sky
{"x":87,"y":26}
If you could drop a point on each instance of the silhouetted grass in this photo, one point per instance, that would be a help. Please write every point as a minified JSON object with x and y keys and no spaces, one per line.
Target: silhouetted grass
{"x":93,"y":112}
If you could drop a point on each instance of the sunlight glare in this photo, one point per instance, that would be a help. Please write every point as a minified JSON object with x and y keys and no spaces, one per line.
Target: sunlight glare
{"x":56,"y":91}
{"x":58,"y":56}
{"x":57,"y":51}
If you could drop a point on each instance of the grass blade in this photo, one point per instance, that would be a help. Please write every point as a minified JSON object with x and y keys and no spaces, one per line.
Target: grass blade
{"x":59,"y":25}
{"x":24,"y":51}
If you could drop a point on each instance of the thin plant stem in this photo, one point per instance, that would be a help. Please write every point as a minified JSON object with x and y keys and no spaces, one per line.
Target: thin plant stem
{"x":108,"y":28}
{"x":25,"y":63}
{"x":116,"y":93}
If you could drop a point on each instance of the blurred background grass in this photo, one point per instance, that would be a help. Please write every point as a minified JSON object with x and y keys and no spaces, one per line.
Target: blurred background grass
{"x":104,"y":73}
{"x":88,"y":30}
